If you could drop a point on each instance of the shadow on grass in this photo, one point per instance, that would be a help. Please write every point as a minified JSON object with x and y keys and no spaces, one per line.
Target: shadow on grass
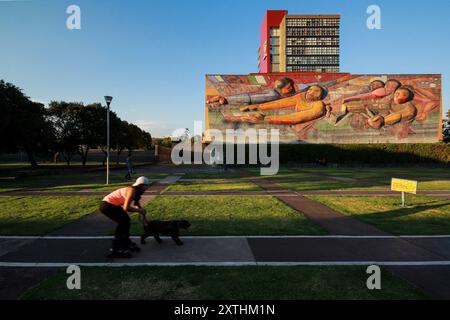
{"x":235,"y":226}
{"x":401,"y":212}
{"x":317,"y":184}
{"x":403,"y":220}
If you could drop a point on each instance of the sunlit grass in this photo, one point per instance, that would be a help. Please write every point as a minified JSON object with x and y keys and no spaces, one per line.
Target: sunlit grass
{"x":424,"y":215}
{"x":230,"y":215}
{"x":38,"y":215}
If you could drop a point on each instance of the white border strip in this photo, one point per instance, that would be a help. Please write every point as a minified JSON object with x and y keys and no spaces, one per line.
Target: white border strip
{"x":234,"y":237}
{"x":221,"y":264}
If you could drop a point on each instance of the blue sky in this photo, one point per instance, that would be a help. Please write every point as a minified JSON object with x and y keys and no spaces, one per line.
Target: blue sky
{"x":152,"y":55}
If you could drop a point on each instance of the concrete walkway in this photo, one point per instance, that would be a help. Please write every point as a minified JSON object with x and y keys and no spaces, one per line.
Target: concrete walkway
{"x":238,"y":249}
{"x":332,"y":221}
{"x":424,"y":261}
{"x":157,"y":189}
{"x":14,"y":282}
{"x":435,"y":284}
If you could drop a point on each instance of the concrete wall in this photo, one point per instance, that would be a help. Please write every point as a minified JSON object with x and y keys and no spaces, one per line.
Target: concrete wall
{"x":403,"y":108}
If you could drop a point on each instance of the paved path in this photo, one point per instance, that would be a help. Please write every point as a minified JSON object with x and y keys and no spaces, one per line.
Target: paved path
{"x":238,"y":249}
{"x":158,"y":189}
{"x":93,"y":224}
{"x":425,"y":261}
{"x":332,"y":221}
{"x":436,"y":284}
{"x":329,"y":219}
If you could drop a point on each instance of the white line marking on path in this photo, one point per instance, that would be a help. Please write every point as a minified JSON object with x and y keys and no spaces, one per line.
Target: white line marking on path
{"x":235,"y":237}
{"x":220,"y":264}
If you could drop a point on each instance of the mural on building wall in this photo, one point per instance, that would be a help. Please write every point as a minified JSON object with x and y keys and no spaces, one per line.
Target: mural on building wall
{"x":328,"y":107}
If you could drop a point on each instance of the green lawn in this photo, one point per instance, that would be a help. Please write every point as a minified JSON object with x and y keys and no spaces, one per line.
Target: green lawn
{"x":380,"y":172}
{"x":434,"y":185}
{"x":190,"y":283}
{"x":307,"y":179}
{"x":227,"y":185}
{"x":38,"y":215}
{"x":426,"y":215}
{"x":311,"y":184}
{"x":230,"y":215}
{"x":284,"y":173}
{"x":69,"y":180}
{"x":90,"y":187}
{"x":229,"y":174}
{"x":423,"y":184}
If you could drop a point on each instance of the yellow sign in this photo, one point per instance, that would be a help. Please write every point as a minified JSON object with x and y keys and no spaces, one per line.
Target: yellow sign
{"x":403,"y":185}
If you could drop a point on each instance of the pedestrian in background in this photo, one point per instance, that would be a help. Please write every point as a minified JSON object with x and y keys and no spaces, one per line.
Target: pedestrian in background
{"x":129,"y":164}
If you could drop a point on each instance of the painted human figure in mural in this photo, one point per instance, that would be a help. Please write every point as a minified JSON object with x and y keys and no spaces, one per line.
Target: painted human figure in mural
{"x":381,"y":95}
{"x":401,"y":110}
{"x":283,"y":87}
{"x":429,"y":102}
{"x":308,"y":106}
{"x":376,"y":84}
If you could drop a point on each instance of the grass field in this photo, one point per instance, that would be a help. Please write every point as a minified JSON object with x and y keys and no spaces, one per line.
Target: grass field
{"x":230,"y":215}
{"x":211,"y":185}
{"x":424,"y":216}
{"x":89,"y":186}
{"x":310,"y":179}
{"x":320,"y":183}
{"x":190,"y":283}
{"x":73,"y":180}
{"x":28,"y":215}
{"x":229,"y":174}
{"x":380,"y":185}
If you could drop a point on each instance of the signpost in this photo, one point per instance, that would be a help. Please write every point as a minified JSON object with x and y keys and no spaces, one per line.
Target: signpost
{"x":403,"y":186}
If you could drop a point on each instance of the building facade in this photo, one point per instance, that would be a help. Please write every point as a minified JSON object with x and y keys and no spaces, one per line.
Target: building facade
{"x":329,"y":107}
{"x":298,"y":43}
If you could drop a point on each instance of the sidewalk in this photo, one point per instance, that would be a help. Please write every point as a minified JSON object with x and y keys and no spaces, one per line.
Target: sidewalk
{"x":422,"y":260}
{"x":289,"y":250}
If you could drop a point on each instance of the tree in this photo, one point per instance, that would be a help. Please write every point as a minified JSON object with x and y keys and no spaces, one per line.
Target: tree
{"x":25,"y":124}
{"x":92,"y":124}
{"x":147,"y":140}
{"x":122,"y":138}
{"x":66,"y":121}
{"x":446,"y":128}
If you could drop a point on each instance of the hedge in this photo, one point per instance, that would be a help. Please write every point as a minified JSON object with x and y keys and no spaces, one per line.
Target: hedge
{"x":364,"y":153}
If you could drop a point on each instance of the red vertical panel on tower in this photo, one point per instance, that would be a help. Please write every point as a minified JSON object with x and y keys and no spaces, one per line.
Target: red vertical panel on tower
{"x":263,"y":47}
{"x":272,"y":19}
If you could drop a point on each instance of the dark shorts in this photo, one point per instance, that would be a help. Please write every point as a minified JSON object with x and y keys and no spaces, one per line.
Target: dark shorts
{"x":117,"y":214}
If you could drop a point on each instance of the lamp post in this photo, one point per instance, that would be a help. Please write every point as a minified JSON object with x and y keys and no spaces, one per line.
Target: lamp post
{"x":108,"y":100}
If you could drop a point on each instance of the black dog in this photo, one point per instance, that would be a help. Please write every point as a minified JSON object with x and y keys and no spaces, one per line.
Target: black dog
{"x":156,"y":228}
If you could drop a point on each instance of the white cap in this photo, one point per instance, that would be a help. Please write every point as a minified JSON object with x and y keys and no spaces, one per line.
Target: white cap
{"x":141,"y":180}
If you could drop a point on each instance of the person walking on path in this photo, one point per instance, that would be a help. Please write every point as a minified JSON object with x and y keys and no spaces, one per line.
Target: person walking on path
{"x":115,"y":206}
{"x":129,"y":163}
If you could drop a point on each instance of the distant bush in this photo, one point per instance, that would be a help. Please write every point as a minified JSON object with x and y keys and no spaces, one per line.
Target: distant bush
{"x":362,"y":153}
{"x":366,"y":153}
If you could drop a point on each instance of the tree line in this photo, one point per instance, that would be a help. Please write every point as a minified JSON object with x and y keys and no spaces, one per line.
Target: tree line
{"x":64,"y":128}
{"x":446,"y":128}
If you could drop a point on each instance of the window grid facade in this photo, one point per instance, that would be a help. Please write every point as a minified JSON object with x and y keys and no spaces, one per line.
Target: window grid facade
{"x":299,"y":42}
{"x":312,"y":22}
{"x":293,"y":51}
{"x":312,"y":69}
{"x":275,"y":49}
{"x":312,"y":44}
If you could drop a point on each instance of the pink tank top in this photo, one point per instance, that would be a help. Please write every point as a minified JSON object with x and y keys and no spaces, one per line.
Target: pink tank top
{"x":117,"y":197}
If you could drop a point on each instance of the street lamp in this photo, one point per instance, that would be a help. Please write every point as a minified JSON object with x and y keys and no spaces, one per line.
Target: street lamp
{"x":108,"y":100}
